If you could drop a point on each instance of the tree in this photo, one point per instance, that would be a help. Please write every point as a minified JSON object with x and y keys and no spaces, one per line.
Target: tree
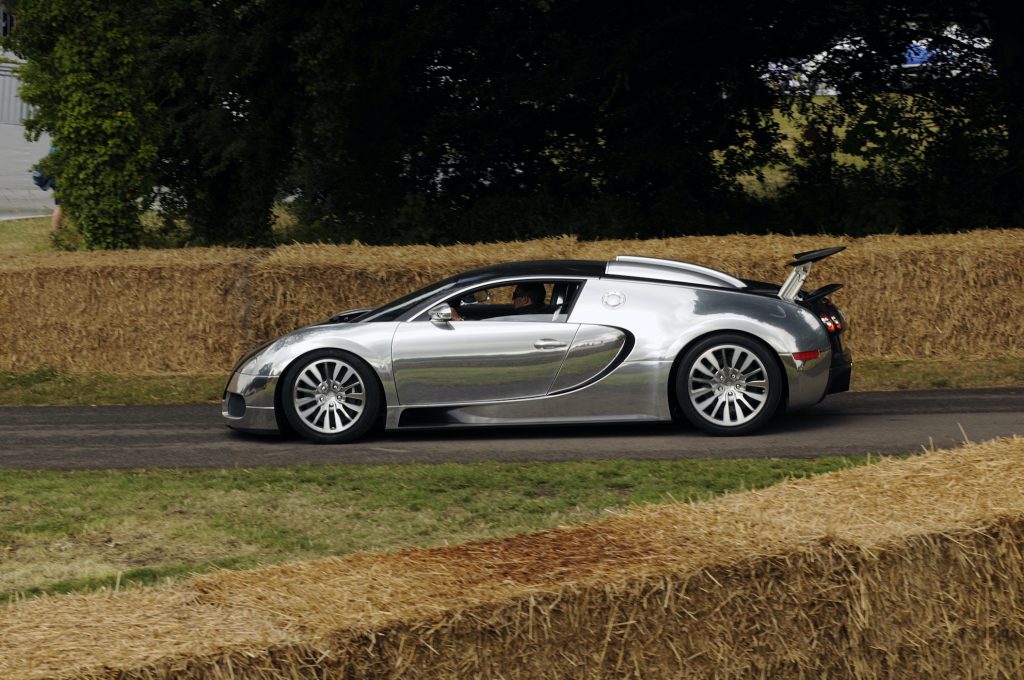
{"x":926,"y":147}
{"x":456,"y":120}
{"x":403,"y":121}
{"x":87,"y":82}
{"x":227,"y":108}
{"x":178,"y":100}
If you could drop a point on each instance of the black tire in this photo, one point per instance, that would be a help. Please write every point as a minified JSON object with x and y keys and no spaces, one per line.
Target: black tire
{"x":728,"y":384}
{"x":330,"y":396}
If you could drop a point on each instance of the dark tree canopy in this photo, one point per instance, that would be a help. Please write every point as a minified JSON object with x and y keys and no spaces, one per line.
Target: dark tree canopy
{"x":398,"y":121}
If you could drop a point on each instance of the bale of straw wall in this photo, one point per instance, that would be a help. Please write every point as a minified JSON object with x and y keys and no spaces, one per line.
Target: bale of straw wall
{"x":128,"y":313}
{"x":901,"y":569}
{"x":951,"y":296}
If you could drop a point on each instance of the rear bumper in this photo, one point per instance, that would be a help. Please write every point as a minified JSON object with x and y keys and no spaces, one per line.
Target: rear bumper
{"x":840,"y":372}
{"x":812,"y":380}
{"x":808,"y":379}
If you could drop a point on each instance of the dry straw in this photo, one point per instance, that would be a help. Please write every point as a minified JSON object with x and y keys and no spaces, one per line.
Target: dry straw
{"x":900,"y":569}
{"x":958,"y":295}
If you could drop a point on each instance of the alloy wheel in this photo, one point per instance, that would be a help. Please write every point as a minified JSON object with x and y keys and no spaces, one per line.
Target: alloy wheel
{"x":728,"y":385}
{"x":329,"y":395}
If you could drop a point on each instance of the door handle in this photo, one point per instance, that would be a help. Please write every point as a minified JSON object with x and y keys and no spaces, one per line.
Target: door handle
{"x":548,"y":343}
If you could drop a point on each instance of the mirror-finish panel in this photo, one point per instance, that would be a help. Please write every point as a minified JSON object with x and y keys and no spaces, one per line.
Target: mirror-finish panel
{"x":592,"y":351}
{"x":632,"y":392}
{"x":471,"y":361}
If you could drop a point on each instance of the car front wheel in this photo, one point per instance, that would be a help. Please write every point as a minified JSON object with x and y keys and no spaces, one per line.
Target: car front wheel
{"x":728,"y":385}
{"x":330,"y":396}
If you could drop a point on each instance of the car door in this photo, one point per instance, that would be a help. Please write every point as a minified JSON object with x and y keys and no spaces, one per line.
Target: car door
{"x":500,"y":355}
{"x":474,"y":361}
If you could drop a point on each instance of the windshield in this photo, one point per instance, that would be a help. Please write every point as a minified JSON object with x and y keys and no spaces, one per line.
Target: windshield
{"x":395,"y":309}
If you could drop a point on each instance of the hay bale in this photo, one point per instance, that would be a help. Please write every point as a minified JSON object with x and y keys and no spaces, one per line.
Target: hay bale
{"x":904,"y":568}
{"x":198,"y":310}
{"x":944,"y":296}
{"x":125,"y":312}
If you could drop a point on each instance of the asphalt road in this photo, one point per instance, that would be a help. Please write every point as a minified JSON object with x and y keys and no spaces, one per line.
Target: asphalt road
{"x":193,"y":436}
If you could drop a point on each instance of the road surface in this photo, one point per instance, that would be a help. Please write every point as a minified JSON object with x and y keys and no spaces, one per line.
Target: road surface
{"x":62,"y":438}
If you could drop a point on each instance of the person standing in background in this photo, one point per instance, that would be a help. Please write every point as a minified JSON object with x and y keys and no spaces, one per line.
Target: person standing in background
{"x":45,"y":182}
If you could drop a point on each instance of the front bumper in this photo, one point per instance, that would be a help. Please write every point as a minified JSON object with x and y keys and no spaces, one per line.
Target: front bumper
{"x":249,"y":403}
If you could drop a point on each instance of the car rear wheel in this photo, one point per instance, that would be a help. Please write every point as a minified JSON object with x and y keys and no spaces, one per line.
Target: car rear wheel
{"x":330,"y":396}
{"x":728,"y":385}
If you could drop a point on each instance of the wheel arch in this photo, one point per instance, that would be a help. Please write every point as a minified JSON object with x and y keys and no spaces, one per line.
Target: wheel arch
{"x":282,"y":421}
{"x":677,"y":362}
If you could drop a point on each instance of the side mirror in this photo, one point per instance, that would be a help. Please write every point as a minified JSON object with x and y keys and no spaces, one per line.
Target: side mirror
{"x":440,"y":314}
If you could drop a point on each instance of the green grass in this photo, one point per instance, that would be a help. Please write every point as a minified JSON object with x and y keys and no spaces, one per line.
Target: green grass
{"x":50,"y":387}
{"x":24,"y":237}
{"x":27,"y":236}
{"x":70,"y":531}
{"x":927,"y":374}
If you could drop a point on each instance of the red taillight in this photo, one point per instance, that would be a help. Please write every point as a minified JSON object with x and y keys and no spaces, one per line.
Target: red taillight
{"x":806,"y":356}
{"x":830,"y":324}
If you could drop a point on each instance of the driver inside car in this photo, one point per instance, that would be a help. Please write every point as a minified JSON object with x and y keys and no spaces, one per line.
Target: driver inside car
{"x":527,"y":298}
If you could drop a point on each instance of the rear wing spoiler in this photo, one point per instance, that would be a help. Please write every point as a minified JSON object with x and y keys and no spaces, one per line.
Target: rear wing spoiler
{"x":802,"y":264}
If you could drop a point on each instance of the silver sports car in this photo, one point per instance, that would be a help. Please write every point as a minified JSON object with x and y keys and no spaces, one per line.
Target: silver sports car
{"x":554,"y":341}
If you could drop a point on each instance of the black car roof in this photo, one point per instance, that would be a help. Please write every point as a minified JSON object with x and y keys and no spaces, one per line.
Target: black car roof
{"x":552,"y":268}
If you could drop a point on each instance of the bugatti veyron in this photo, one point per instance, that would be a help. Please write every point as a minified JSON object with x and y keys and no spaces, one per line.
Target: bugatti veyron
{"x":555,"y":341}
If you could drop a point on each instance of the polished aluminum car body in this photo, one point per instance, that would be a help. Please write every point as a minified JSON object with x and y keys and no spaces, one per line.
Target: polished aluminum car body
{"x":615,"y":341}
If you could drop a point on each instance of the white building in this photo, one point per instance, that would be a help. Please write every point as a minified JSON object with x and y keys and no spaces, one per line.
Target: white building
{"x":19,"y":197}
{"x":12,"y":109}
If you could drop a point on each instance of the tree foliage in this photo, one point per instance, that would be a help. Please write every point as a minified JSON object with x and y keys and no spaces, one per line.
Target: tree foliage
{"x":922,"y":148}
{"x":89,"y":86}
{"x":227,"y":104}
{"x":401,"y":121}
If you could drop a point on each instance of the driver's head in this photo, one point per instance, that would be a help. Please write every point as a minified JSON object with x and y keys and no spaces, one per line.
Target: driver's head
{"x":527,"y":294}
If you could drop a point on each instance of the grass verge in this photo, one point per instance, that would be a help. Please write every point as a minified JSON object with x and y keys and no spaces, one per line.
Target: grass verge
{"x":50,"y":387}
{"x":23,"y":237}
{"x":71,"y":531}
{"x":927,"y":374}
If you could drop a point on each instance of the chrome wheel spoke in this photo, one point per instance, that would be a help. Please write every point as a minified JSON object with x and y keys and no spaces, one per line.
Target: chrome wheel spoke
{"x":303,"y":404}
{"x":329,"y":395}
{"x":309,"y":378}
{"x":726,"y":415}
{"x":702,"y":405}
{"x":742,"y":399}
{"x":728,"y":385}
{"x":758,"y":397}
{"x":749,"y":359}
{"x":708,"y":370}
{"x":313,"y":415}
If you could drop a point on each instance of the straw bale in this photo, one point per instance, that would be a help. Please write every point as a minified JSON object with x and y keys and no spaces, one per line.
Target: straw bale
{"x":126,"y":312}
{"x":940,"y":296}
{"x":197,"y":310}
{"x":901,"y":569}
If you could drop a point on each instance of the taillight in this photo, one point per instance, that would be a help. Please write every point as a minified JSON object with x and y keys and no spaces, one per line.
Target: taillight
{"x":806,"y":356}
{"x":832,"y":322}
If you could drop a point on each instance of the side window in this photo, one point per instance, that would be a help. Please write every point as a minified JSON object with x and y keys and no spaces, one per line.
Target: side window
{"x":529,"y":300}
